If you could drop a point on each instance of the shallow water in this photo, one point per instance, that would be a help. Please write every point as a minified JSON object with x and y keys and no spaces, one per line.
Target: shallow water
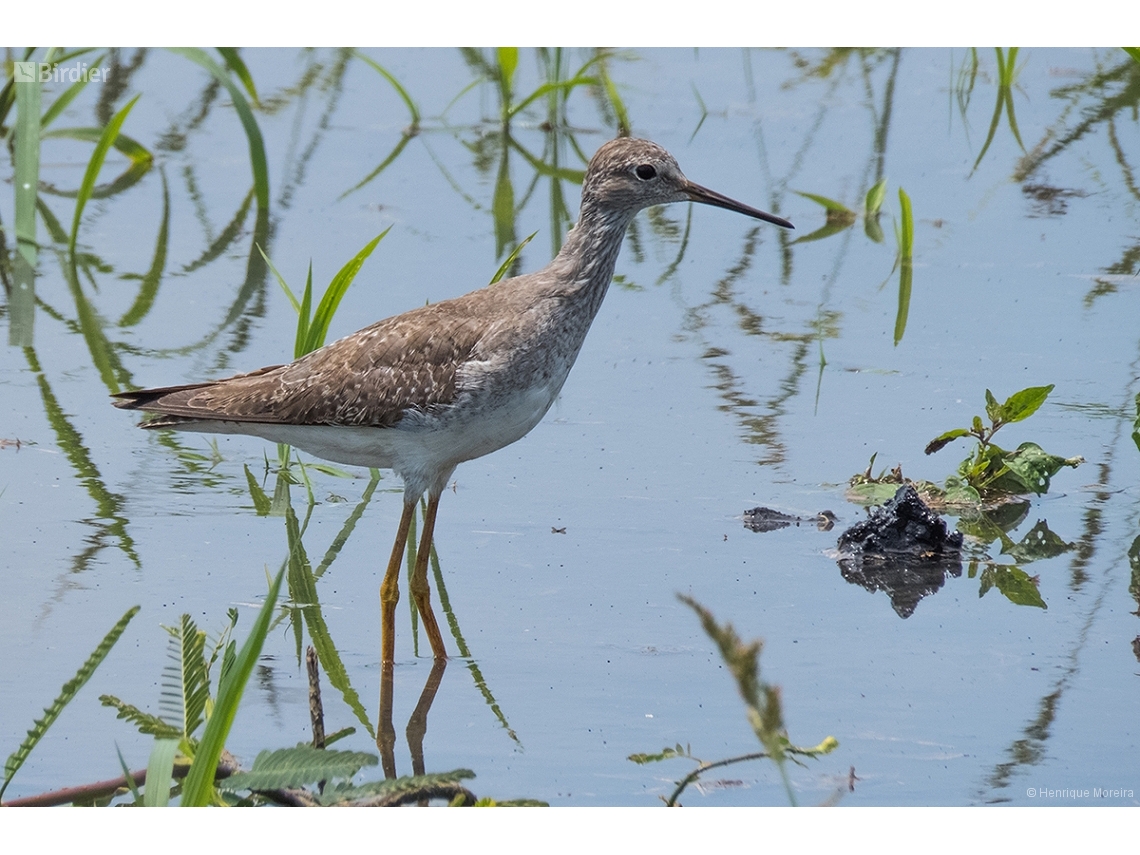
{"x":731,"y":366}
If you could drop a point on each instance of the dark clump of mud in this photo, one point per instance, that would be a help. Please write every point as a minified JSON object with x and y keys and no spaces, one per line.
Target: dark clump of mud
{"x":902,"y":548}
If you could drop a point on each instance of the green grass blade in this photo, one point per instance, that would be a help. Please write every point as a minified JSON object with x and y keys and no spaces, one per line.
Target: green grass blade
{"x":61,"y":103}
{"x":27,"y":166}
{"x":23,"y":296}
{"x":322,"y":317}
{"x":1002,"y":93}
{"x":128,"y":777}
{"x":8,"y":91}
{"x":506,"y":265}
{"x":400,"y":90}
{"x":236,"y":64}
{"x":304,"y":316}
{"x":159,"y":769}
{"x":70,"y":690}
{"x":906,"y":240}
{"x":257,"y":159}
{"x":106,"y":140}
{"x":198,"y":787}
{"x":906,"y":266}
{"x":281,"y":281}
{"x":132,"y":148}
{"x":508,"y":61}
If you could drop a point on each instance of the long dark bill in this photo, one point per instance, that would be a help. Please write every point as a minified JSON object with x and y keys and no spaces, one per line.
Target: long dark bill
{"x":710,"y":197}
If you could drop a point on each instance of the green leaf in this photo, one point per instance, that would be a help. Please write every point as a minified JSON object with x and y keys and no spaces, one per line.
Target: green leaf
{"x":197,"y":789}
{"x":959,"y":492}
{"x":186,"y":685}
{"x":940,"y":442}
{"x":159,"y":770}
{"x":1033,"y":467}
{"x":145,"y":722}
{"x":1021,"y":405}
{"x":831,"y":205}
{"x":70,"y":690}
{"x":994,"y":411}
{"x":106,"y":140}
{"x":295,"y":767}
{"x":875,"y":197}
{"x":1133,"y":52}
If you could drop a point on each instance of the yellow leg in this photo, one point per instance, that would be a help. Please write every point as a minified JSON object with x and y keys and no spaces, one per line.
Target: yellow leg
{"x":421,"y":590}
{"x":390,"y":587}
{"x":385,"y":732}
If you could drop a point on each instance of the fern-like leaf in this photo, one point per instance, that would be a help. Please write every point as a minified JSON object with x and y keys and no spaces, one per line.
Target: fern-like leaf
{"x":186,"y":682}
{"x":295,"y":767}
{"x":145,"y":722}
{"x":70,"y":690}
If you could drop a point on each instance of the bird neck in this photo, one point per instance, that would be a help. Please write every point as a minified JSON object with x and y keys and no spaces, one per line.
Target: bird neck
{"x":585,"y":265}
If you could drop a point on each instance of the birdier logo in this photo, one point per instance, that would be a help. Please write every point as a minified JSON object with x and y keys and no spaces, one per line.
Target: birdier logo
{"x":46,"y":72}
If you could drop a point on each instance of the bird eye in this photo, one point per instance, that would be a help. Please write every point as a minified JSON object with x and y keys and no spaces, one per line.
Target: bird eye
{"x":645,"y":172}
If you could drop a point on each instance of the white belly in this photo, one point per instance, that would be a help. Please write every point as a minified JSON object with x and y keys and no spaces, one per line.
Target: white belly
{"x":424,"y":447}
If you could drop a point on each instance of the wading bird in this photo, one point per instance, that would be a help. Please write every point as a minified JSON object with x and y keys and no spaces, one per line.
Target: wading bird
{"x":422,"y":392}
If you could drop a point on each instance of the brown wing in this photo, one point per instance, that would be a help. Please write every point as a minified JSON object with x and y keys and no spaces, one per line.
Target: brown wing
{"x":369,"y":378}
